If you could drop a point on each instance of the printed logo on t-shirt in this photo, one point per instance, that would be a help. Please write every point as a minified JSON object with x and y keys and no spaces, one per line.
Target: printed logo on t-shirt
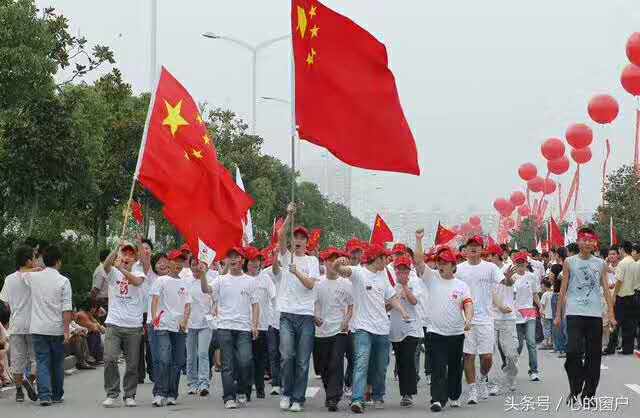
{"x":123,"y":286}
{"x":182,"y":291}
{"x":455,"y":295}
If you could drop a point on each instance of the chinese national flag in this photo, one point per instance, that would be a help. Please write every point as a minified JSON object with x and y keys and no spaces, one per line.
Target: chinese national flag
{"x":136,"y":211}
{"x":178,"y":164}
{"x":346,"y":96}
{"x":443,"y":235}
{"x":556,"y":237}
{"x":381,"y":233}
{"x":314,"y":239}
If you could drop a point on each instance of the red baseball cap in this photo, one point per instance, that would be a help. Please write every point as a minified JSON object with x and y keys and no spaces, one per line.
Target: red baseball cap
{"x":175,"y":255}
{"x":399,"y":249}
{"x":374,"y":251}
{"x":403,"y":261}
{"x":301,"y":230}
{"x":495,"y":250}
{"x":476,"y":240}
{"x":127,"y":246}
{"x":238,"y":250}
{"x":354,"y":244}
{"x":447,"y":256}
{"x":331,"y":252}
{"x":185,"y":248}
{"x":252,"y":253}
{"x":521,"y":257}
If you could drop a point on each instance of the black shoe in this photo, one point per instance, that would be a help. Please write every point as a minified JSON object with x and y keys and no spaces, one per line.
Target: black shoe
{"x":332,"y":406}
{"x":31,"y":392}
{"x":260,"y":394}
{"x":45,"y":403}
{"x":608,"y":352}
{"x":85,"y":366}
{"x":19,"y":395}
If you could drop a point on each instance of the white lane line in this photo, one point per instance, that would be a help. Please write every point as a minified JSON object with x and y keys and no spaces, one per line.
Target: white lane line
{"x":634,"y":387}
{"x":311,"y":392}
{"x":603,"y":367}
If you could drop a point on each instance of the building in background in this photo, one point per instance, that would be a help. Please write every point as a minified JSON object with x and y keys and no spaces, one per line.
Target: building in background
{"x":332,"y":176}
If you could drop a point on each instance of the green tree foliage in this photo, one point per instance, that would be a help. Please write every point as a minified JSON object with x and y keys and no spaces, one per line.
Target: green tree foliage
{"x":525,"y":236}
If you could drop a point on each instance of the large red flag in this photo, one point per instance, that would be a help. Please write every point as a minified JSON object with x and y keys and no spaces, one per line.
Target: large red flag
{"x":178,"y":164}
{"x":556,"y":237}
{"x":443,"y":235}
{"x":346,"y":96}
{"x":381,"y":233}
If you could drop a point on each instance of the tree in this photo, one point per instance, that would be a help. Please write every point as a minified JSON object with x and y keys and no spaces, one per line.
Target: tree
{"x":528,"y":234}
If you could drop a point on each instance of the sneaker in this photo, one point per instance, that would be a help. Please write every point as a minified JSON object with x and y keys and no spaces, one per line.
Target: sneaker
{"x":427,"y":379}
{"x":483,"y":390}
{"x":19,"y":395}
{"x":31,"y":392}
{"x":111,"y":403}
{"x":473,"y":395}
{"x":230,"y":404}
{"x":171,"y":401}
{"x":378,"y":404}
{"x":192,"y":391}
{"x":347,"y":392}
{"x":130,"y":403}
{"x":562,"y":355}
{"x":494,"y":389}
{"x":436,"y":407}
{"x":455,"y":403}
{"x":406,"y":402}
{"x":357,"y":407}
{"x":275,"y":391}
{"x":204,"y":392}
{"x":512,"y":383}
{"x":58,"y":401}
{"x":296,"y":407}
{"x":158,"y":401}
{"x":332,"y":406}
{"x":534,"y":377}
{"x":285,"y":403}
{"x":242,"y":400}
{"x":45,"y":403}
{"x":260,"y":394}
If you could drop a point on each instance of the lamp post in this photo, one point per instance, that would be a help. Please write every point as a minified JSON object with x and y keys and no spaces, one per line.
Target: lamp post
{"x":254,"y":61}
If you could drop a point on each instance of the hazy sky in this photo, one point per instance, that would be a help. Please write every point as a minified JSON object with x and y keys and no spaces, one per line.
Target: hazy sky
{"x":482,"y":83}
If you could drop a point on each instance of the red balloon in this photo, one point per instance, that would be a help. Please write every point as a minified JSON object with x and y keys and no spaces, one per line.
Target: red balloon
{"x":579,"y":135}
{"x":552,"y":149}
{"x":527,"y":171}
{"x":475,"y":220}
{"x":524,"y":211}
{"x":536,"y":185}
{"x":517,"y":198}
{"x":508,"y":223}
{"x":549,"y":186}
{"x":603,"y":109}
{"x":508,"y":209}
{"x":581,"y":156}
{"x":633,"y":48}
{"x":466,"y":228}
{"x":559,"y":166}
{"x":630,"y":79}
{"x":500,"y":204}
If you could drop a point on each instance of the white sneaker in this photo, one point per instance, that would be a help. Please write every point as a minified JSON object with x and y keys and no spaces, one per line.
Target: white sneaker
{"x":511,"y":381}
{"x":111,"y":403}
{"x":171,"y":401}
{"x":230,"y":404}
{"x":455,"y":404}
{"x":473,"y":395}
{"x":130,"y":403}
{"x":378,"y":404}
{"x":158,"y":401}
{"x":242,"y":401}
{"x":285,"y":403}
{"x":296,"y":407}
{"x":494,"y":389}
{"x":534,"y":377}
{"x":347,"y":392}
{"x":483,"y":390}
{"x":436,"y":407}
{"x":427,"y":379}
{"x":275,"y":391}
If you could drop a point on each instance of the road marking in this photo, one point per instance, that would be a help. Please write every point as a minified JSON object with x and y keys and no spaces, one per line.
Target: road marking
{"x":634,"y":387}
{"x":311,"y":392}
{"x":603,"y":367}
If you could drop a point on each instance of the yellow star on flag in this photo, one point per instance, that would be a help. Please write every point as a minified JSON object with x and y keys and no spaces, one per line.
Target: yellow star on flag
{"x":206,"y":139}
{"x":199,"y":119}
{"x":174,"y":119}
{"x":378,"y":224}
{"x":310,"y":59}
{"x":196,"y":153}
{"x":312,"y":11}
{"x":314,"y":31}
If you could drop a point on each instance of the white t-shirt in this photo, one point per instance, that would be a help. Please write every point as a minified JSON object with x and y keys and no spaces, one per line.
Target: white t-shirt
{"x":174,"y":295}
{"x":506,"y":296}
{"x":148,"y":285}
{"x":293,"y":297}
{"x":333,"y":297}
{"x":234,"y":296}
{"x":538,"y":268}
{"x":525,"y":286}
{"x":274,"y":320}
{"x":545,"y":300}
{"x":50,"y":297}
{"x":201,"y":303}
{"x":100,"y":282}
{"x":370,"y":293}
{"x":400,"y":329}
{"x":266,"y":295}
{"x":422,"y":299}
{"x":482,"y":279}
{"x":126,"y":301}
{"x":17,"y":295}
{"x":446,"y":303}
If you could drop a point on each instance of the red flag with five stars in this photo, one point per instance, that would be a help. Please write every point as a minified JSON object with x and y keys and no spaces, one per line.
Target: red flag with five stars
{"x":381,"y":233}
{"x":346,"y":96}
{"x":179,"y":165}
{"x":443,"y":235}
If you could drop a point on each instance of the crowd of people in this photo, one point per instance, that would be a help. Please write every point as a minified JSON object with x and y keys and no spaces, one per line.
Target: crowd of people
{"x":259,"y":316}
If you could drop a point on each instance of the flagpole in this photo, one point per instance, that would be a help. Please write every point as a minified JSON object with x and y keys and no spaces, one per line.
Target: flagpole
{"x":293,"y":138}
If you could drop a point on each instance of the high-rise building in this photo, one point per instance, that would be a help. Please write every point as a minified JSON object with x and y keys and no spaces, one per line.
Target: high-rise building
{"x":332,"y":176}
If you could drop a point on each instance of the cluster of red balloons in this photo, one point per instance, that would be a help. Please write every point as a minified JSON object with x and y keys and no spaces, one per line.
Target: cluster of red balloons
{"x":630,"y":77}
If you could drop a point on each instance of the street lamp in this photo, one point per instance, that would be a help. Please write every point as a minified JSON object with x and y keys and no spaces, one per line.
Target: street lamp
{"x":254,"y":60}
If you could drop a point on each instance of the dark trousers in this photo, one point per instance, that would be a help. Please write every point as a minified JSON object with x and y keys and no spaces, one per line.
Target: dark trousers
{"x":237,"y":357}
{"x":446,"y":369}
{"x":259,"y":348}
{"x":49,"y":351}
{"x":427,"y":352}
{"x":273,"y":345}
{"x":627,"y":317}
{"x":172,"y":358}
{"x":584,"y":340}
{"x":405,"y":352}
{"x":96,"y":349}
{"x":329,"y":352}
{"x":349,"y":354}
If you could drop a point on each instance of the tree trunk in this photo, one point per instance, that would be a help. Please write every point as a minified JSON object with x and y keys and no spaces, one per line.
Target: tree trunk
{"x":34,"y":213}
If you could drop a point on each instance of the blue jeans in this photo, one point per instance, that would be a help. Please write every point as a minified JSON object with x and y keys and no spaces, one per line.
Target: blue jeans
{"x":49,"y":351}
{"x":153,"y":346}
{"x":297,"y":335}
{"x":171,"y":360}
{"x":273,"y":345}
{"x":527,"y":331}
{"x":371,"y":359}
{"x":198,"y":367}
{"x":560,"y":337}
{"x":237,"y":362}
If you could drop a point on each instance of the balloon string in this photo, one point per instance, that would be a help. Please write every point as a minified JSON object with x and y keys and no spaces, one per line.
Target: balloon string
{"x":575,"y":203}
{"x":567,"y":202}
{"x":604,"y":168}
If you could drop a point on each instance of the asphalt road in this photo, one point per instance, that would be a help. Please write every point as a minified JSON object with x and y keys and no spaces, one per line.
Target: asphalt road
{"x":619,"y":392}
